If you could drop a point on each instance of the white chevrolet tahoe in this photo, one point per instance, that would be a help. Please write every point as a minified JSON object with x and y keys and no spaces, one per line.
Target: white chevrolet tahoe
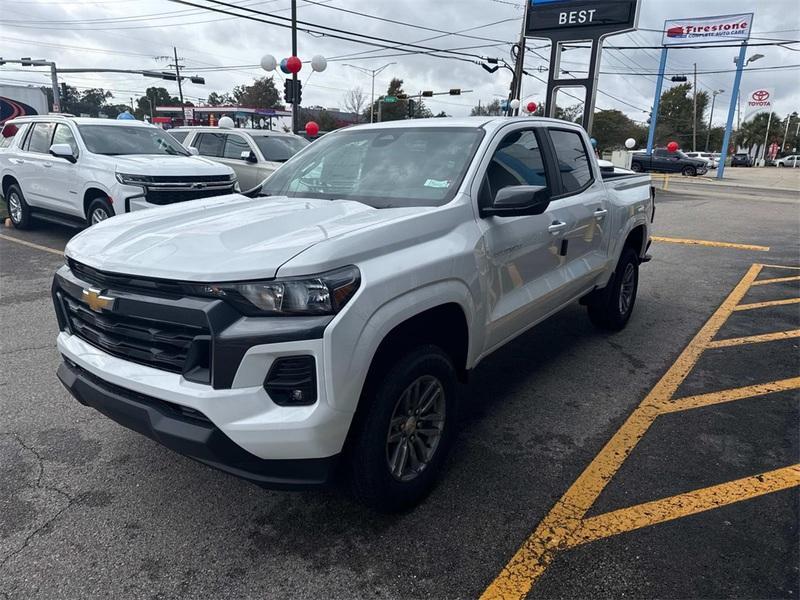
{"x":83,"y":170}
{"x":322,"y":329}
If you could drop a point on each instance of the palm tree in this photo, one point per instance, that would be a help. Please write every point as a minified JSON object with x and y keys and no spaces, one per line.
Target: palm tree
{"x":752,"y":132}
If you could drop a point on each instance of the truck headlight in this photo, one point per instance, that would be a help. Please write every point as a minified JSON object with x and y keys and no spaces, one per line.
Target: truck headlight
{"x":323,"y":294}
{"x":127,"y":179}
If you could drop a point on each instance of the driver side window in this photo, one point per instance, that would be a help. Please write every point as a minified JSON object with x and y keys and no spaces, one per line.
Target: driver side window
{"x":516,"y":161}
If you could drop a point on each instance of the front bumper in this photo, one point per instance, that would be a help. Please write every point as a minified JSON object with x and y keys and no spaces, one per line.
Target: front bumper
{"x":191,"y":433}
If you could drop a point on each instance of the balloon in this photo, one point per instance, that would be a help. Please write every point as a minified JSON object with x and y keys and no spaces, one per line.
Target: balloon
{"x":630,"y":143}
{"x":672,"y":147}
{"x":284,"y":68}
{"x":594,"y":142}
{"x":225,"y":123}
{"x":268,"y":62}
{"x":312,"y":129}
{"x":514,"y":104}
{"x":319,"y":63}
{"x":293,"y":64}
{"x":531,"y":107}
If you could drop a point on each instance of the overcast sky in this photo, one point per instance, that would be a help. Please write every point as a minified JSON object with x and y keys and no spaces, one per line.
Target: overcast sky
{"x":131,"y":34}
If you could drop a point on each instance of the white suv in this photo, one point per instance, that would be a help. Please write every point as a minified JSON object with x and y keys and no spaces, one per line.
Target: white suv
{"x":81,"y":170}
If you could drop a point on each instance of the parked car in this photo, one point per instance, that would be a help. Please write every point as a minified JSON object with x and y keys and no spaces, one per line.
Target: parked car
{"x":706,"y":156}
{"x":741,"y":159}
{"x":252,"y":153}
{"x":83,"y":171}
{"x":664,"y":161}
{"x":324,"y":327}
{"x":793,"y":160}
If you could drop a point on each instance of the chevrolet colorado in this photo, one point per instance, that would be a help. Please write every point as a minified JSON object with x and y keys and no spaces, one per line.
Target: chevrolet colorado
{"x":321,"y":329}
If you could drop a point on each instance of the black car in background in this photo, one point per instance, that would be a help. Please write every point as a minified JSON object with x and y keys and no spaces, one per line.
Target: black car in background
{"x":741,"y":159}
{"x":664,"y":161}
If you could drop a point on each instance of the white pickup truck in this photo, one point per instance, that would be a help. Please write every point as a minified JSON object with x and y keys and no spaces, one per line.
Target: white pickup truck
{"x":321,"y":330}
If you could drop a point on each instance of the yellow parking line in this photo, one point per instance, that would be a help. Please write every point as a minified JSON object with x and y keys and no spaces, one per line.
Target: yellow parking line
{"x":690,"y":242}
{"x":755,"y":339}
{"x":683,"y":505}
{"x":555,"y":530}
{"x":777,"y":280}
{"x":755,"y":305}
{"x":730,"y":395}
{"x":31,"y":244}
{"x":781,"y":267}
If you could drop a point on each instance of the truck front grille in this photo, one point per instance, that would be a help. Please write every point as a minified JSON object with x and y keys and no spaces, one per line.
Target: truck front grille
{"x":158,"y":344}
{"x":171,"y":196}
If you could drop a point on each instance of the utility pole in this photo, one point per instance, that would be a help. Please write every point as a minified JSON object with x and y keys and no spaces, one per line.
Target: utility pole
{"x":519,"y":64}
{"x":694,"y":120}
{"x":786,"y":133}
{"x":295,"y":101}
{"x":372,"y":73}
{"x":27,"y":62}
{"x":711,"y":118}
{"x":766,"y":138}
{"x":178,"y":77}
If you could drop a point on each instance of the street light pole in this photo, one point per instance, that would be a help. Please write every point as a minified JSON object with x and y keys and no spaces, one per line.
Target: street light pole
{"x":295,"y":102}
{"x":372,"y":73}
{"x":711,"y":118}
{"x":694,"y":119}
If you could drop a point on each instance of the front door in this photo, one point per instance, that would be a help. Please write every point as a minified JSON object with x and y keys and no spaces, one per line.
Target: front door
{"x":60,"y":188}
{"x":522,"y":254}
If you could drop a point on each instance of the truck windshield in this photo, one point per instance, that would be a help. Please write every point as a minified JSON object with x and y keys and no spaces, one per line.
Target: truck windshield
{"x":279,"y":148}
{"x":113,"y":140}
{"x":383,"y":168}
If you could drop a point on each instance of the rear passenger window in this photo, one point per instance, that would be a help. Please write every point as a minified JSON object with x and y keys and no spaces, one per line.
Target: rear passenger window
{"x":573,"y":160}
{"x":39,"y":139}
{"x":234,"y":146}
{"x":210,"y":144}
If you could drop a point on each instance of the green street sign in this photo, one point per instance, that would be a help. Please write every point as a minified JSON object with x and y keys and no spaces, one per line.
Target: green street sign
{"x":390,"y":99}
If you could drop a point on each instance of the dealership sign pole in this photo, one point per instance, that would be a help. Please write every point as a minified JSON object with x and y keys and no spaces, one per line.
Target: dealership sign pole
{"x":566,"y":22}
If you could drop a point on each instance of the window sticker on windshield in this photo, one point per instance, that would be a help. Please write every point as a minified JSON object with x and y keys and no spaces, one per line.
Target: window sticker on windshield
{"x":437,"y":183}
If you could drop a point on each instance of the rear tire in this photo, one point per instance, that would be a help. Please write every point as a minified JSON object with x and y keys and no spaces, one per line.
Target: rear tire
{"x":408,"y":426}
{"x":636,"y":168}
{"x":99,"y":210}
{"x":689,"y":171}
{"x":18,"y":208}
{"x":612,"y":307}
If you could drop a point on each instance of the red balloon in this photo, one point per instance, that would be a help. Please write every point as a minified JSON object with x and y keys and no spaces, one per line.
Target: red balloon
{"x":312,"y":129}
{"x":293,"y":64}
{"x":532,"y":107}
{"x":672,"y":147}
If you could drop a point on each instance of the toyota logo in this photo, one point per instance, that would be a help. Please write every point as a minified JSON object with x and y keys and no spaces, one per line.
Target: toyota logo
{"x":760,"y":95}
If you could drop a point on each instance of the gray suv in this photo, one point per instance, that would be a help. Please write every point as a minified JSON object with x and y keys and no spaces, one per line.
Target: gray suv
{"x":252,"y":153}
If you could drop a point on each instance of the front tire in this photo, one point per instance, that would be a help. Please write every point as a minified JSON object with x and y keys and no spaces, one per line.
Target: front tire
{"x":99,"y":210}
{"x":408,"y":427}
{"x":611,"y":309}
{"x":18,"y":208}
{"x":689,"y":171}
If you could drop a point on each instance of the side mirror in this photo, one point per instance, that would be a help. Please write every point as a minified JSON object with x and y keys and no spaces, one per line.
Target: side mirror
{"x":519,"y":201}
{"x":193,"y":151}
{"x":249,"y":156}
{"x":63,"y":151}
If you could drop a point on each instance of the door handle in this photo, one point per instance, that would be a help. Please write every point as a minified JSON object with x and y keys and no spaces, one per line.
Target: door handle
{"x":47,"y":165}
{"x":600,"y":213}
{"x":556,"y":226}
{"x":16,"y":161}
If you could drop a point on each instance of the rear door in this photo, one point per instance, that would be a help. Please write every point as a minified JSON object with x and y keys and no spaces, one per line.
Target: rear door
{"x":36,"y":163}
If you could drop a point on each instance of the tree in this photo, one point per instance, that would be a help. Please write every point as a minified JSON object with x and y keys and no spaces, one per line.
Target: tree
{"x":612,"y":127}
{"x":675,"y":116}
{"x":441,"y":114}
{"x":391,"y":111}
{"x":158,"y":96}
{"x":754,"y":131}
{"x":492,"y":109}
{"x":354,"y":101}
{"x":322,"y":117}
{"x":215,"y":99}
{"x":262,"y":93}
{"x":89,"y":102}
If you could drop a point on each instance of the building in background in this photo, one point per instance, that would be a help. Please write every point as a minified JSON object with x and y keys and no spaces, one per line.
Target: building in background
{"x":21,"y":100}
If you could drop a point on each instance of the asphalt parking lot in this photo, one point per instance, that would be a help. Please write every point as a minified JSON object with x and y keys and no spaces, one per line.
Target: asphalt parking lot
{"x":662,"y":461}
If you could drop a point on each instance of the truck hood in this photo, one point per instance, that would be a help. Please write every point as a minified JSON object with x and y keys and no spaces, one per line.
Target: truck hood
{"x":227,"y":238}
{"x":161,"y":164}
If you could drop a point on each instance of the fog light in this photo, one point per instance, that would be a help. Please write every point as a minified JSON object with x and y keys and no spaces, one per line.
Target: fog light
{"x":292,"y":381}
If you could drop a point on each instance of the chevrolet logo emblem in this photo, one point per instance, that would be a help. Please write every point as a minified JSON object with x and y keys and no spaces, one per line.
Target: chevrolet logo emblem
{"x":96,"y":302}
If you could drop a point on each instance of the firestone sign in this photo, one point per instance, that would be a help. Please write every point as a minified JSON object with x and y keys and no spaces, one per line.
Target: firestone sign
{"x":708,"y":30}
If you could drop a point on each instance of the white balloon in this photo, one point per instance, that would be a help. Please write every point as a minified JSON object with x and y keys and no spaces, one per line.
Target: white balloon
{"x":319,"y":63}
{"x":268,"y":62}
{"x":515,"y":103}
{"x":630,"y":143}
{"x":225,"y":123}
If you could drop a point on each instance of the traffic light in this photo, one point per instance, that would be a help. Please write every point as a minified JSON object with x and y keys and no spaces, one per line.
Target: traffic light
{"x":288,"y":89}
{"x":412,"y":107}
{"x":298,"y":92}
{"x":169,"y":76}
{"x":679,"y":78}
{"x":63,"y":91}
{"x":455,"y":92}
{"x":26,"y":61}
{"x":2,"y":62}
{"x":196,"y":79}
{"x":427,"y":94}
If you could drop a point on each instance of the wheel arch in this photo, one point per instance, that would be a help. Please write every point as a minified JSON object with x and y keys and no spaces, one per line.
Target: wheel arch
{"x":8,"y":181}
{"x":93,"y":192}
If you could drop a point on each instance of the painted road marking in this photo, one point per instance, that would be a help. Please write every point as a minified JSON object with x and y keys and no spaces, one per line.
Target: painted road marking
{"x":777,"y":280}
{"x":755,"y":339}
{"x":31,"y":244}
{"x":684,"y":505}
{"x":567,"y":517}
{"x":689,"y":242}
{"x":780,"y":267}
{"x":750,"y":391}
{"x":767,"y":304}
